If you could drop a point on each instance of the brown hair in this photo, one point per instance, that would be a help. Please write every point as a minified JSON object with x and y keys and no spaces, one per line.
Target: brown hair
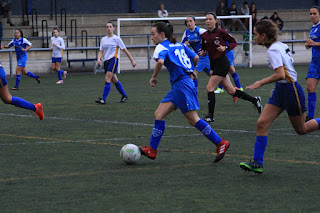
{"x":167,"y":30}
{"x":269,"y":28}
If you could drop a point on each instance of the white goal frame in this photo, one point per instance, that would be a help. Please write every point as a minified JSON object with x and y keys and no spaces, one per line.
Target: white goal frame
{"x":119,"y":20}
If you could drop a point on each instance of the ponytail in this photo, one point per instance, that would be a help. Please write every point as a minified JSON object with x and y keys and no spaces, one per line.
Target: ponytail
{"x":167,"y":30}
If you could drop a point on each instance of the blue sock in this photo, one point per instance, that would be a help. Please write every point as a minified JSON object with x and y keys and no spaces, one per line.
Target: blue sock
{"x":19,"y":102}
{"x":312,"y":100}
{"x":318,"y":120}
{"x":195,"y":81}
{"x":106,"y":90}
{"x":207,"y":131}
{"x":220,"y":86}
{"x":30,"y":74}
{"x":120,"y":88}
{"x":260,"y":148}
{"x":60,"y":72}
{"x":18,"y":79}
{"x":157,"y":132}
{"x":236,"y":80}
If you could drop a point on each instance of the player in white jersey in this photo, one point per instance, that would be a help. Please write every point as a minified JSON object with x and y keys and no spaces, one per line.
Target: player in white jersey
{"x":287,"y":95}
{"x":57,"y":47}
{"x":109,"y":52}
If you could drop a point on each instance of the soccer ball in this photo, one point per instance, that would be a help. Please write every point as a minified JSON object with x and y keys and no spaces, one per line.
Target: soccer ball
{"x":130,"y":153}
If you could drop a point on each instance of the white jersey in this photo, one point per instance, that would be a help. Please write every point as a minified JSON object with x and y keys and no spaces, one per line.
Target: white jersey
{"x":279,"y":55}
{"x":110,"y":47}
{"x":57,"y":51}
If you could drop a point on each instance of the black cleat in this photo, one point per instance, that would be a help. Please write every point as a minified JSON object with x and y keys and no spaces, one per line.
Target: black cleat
{"x":38,"y":79}
{"x":252,"y":166}
{"x":15,"y":88}
{"x":258,"y":104}
{"x":123,"y":99}
{"x":100,"y":101}
{"x":208,"y":119}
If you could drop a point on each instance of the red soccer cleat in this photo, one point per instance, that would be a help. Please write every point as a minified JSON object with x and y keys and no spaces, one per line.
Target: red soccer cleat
{"x":234,"y":97}
{"x":149,"y":152}
{"x":222,"y":148}
{"x":39,"y":111}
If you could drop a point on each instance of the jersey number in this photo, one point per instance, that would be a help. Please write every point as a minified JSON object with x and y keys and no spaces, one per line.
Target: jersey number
{"x":184,"y":59}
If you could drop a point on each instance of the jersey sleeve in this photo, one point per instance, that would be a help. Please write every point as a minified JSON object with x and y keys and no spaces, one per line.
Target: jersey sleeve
{"x":11,"y":43}
{"x":61,"y":46}
{"x":274,"y":58}
{"x":26,"y":42}
{"x":120,"y":43}
{"x":232,"y":42}
{"x":184,"y":37}
{"x":101,"y":45}
{"x":160,"y":52}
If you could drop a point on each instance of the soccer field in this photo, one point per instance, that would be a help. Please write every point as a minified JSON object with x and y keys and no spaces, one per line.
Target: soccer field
{"x":70,"y":162}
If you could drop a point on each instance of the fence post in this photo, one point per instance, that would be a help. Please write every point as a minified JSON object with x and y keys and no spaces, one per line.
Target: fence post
{"x":148,"y":55}
{"x":10,"y":60}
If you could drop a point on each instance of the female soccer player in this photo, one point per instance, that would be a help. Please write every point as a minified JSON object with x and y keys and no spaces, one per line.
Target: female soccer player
{"x":109,"y":49}
{"x":57,"y":47}
{"x":287,"y":95}
{"x":314,"y":67}
{"x":214,"y":42}
{"x":18,"y":102}
{"x":21,"y":45}
{"x":232,"y":70}
{"x":192,"y":37}
{"x":178,"y":58}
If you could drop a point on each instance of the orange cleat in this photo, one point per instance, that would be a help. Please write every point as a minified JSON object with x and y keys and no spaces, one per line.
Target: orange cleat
{"x":222,"y":148}
{"x":149,"y":152}
{"x":39,"y":111}
{"x":234,"y":97}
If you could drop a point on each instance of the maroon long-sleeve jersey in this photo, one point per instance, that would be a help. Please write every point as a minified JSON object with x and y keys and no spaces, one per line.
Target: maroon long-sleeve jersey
{"x":211,"y":40}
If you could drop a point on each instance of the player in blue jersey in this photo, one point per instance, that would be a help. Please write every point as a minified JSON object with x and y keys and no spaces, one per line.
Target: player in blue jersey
{"x":192,"y":37}
{"x":21,"y":45}
{"x":314,"y":67}
{"x":16,"y":101}
{"x":232,"y":71}
{"x":178,"y":59}
{"x":287,"y":95}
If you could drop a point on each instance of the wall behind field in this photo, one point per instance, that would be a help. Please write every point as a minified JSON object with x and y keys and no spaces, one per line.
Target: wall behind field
{"x":151,"y":6}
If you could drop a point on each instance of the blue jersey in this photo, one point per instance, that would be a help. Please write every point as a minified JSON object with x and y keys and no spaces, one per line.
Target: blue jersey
{"x":18,"y":44}
{"x":194,"y":38}
{"x":315,"y":36}
{"x":177,"y":59}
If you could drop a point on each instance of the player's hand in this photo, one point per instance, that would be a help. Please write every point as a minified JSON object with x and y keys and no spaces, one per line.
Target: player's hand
{"x":99,"y":62}
{"x":221,"y":48}
{"x":23,"y":49}
{"x":133,"y":63}
{"x":54,"y":44}
{"x":255,"y":85}
{"x":309,"y":43}
{"x":153,"y":81}
{"x":202,"y":52}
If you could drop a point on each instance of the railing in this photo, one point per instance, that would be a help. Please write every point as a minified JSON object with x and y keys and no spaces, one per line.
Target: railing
{"x":44,"y":45}
{"x":75,"y":31}
{"x":34,"y":14}
{"x":24,"y":4}
{"x":65,"y":20}
{"x":53,"y":5}
{"x":86,"y":39}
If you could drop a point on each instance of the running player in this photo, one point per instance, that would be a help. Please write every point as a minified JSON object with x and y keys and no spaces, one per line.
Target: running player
{"x":314,"y":67}
{"x":109,"y":49}
{"x":177,"y":58}
{"x":192,"y":37}
{"x":57,"y":47}
{"x":214,"y":42}
{"x":287,"y":95}
{"x":232,"y":71}
{"x":21,"y":45}
{"x":16,"y":101}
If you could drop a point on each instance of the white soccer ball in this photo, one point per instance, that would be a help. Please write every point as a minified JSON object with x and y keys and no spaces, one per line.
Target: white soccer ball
{"x":130,"y":153}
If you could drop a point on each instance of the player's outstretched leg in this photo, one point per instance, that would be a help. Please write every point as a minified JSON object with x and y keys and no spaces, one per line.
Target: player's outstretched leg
{"x":256,"y":101}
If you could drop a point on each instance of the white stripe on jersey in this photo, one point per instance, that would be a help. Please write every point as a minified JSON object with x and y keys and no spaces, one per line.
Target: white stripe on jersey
{"x":158,"y":49}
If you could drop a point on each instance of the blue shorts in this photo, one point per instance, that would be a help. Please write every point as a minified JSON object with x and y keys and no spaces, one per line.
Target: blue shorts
{"x":314,"y":69}
{"x":3,"y":78}
{"x":54,"y":60}
{"x":203,"y":64}
{"x":22,"y":61}
{"x":183,"y":95}
{"x":111,"y":65}
{"x":230,"y":56}
{"x":290,"y":97}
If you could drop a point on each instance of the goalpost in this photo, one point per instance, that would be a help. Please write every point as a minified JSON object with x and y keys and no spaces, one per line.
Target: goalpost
{"x":249,"y":42}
